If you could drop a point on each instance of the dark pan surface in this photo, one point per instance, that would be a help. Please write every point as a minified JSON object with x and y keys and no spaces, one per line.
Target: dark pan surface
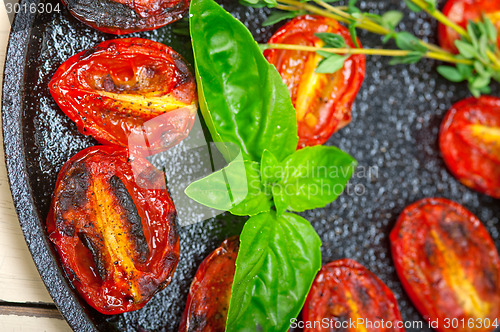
{"x":396,"y":119}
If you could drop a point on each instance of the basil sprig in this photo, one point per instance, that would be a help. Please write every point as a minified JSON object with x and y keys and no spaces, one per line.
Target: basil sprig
{"x":245,"y":103}
{"x":242,"y":97}
{"x":236,"y":188}
{"x":278,"y":258}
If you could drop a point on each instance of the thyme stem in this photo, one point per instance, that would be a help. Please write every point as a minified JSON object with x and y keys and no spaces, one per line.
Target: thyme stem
{"x":339,"y":14}
{"x":367,"y":51}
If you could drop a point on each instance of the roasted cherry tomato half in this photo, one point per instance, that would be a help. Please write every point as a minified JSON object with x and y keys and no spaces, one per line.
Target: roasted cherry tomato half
{"x":125,"y":16}
{"x":463,"y":11}
{"x":210,"y":292}
{"x":448,"y":265}
{"x":129,"y":92}
{"x":114,"y":230}
{"x":322,"y":101}
{"x":345,"y":291}
{"x":470,"y":143}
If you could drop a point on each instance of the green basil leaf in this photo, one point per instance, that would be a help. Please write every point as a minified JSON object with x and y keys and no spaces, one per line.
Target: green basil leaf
{"x":278,"y":259}
{"x":413,"y":7}
{"x":466,"y":50}
{"x":258,"y":200}
{"x":450,"y":73}
{"x":279,"y":16}
{"x":331,"y":64}
{"x":313,"y":177}
{"x":331,"y":39}
{"x":236,"y":188}
{"x":392,"y":18}
{"x":269,"y":168}
{"x":242,"y":97}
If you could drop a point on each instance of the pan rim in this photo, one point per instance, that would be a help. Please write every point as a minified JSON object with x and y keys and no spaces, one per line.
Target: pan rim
{"x":31,"y":222}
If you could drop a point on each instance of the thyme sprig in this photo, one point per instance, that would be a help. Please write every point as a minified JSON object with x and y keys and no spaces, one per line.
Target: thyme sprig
{"x":478,"y":61}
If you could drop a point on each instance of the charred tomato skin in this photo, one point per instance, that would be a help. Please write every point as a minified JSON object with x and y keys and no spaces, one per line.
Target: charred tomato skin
{"x":322,"y":101}
{"x":114,"y":228}
{"x":121,"y":17}
{"x":461,"y":12}
{"x":345,"y":289}
{"x":210,"y":291}
{"x":469,"y":141}
{"x":126,"y":88}
{"x":447,"y":263}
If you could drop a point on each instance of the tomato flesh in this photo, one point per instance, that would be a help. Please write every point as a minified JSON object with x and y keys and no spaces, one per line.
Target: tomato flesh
{"x":128,"y":88}
{"x":463,"y":11}
{"x":469,"y":141}
{"x":322,"y":101}
{"x":113,"y":228}
{"x":126,"y":16}
{"x":344,"y":291}
{"x":210,"y":292}
{"x":448,"y":264}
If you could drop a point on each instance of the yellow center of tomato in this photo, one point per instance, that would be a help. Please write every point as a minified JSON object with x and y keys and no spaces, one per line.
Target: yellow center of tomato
{"x":486,"y":138}
{"x":109,"y":221}
{"x":455,"y":276}
{"x":354,"y":312}
{"x":310,"y":88}
{"x":140,"y":104}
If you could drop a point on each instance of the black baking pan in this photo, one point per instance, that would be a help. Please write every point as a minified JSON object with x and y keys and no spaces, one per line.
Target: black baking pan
{"x":393,"y":136}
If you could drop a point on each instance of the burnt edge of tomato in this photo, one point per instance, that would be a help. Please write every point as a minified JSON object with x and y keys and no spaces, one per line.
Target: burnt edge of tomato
{"x":112,"y":17}
{"x":149,"y":273}
{"x":190,"y":320}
